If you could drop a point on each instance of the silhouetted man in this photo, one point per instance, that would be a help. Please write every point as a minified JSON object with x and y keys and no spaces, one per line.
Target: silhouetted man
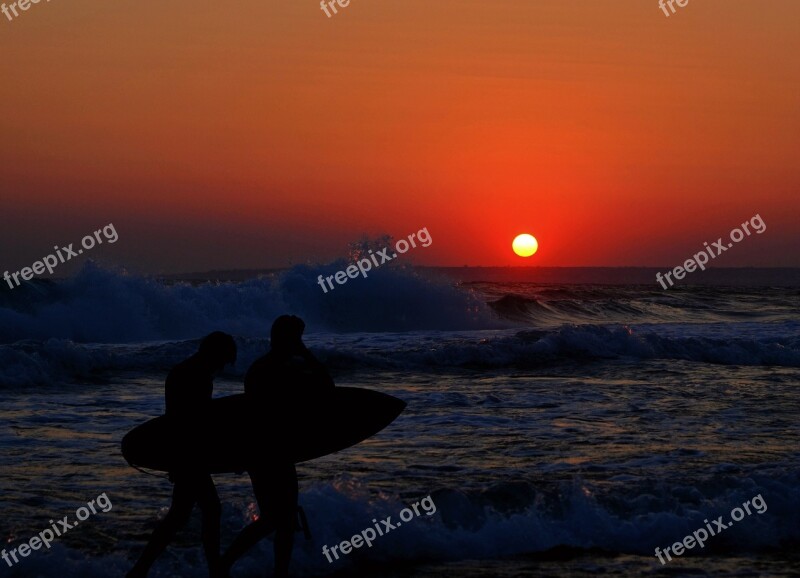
{"x":188,"y":392}
{"x":280,"y":384}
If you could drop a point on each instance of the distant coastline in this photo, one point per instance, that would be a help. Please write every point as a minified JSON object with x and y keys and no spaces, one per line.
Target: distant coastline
{"x":712,"y":276}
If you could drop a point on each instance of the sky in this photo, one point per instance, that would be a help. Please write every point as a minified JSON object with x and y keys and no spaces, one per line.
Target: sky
{"x":219,"y":135}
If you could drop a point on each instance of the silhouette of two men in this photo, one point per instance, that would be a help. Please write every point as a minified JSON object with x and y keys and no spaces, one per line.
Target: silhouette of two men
{"x":279,"y":382}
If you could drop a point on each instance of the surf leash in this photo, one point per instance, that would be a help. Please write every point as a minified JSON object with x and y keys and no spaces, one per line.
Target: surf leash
{"x":166,"y":477}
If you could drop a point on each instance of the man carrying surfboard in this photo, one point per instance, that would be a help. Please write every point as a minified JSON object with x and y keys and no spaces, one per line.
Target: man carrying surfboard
{"x":280,"y":384}
{"x":188,"y":394}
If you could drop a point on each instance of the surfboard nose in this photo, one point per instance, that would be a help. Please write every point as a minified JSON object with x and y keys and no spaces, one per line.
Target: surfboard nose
{"x":396,"y":407}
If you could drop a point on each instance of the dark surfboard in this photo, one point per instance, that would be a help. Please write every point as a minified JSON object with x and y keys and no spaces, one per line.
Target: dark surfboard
{"x":234,"y":437}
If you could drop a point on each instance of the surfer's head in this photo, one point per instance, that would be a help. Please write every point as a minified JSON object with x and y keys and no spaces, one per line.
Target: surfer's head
{"x":219,"y":348}
{"x":287,"y":331}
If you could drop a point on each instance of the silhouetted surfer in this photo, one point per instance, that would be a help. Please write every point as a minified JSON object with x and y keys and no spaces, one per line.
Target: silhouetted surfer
{"x":280,"y":383}
{"x":188,"y":392}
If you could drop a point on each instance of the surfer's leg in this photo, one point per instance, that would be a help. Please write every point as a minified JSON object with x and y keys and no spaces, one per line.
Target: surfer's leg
{"x":183,"y":500}
{"x":208,"y":500}
{"x":283,"y":494}
{"x":253,"y":533}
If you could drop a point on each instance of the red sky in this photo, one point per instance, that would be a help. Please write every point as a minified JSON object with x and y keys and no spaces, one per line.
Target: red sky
{"x":263,"y":133}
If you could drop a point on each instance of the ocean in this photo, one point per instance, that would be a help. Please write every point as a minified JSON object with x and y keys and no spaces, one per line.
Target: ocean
{"x":563,"y":422}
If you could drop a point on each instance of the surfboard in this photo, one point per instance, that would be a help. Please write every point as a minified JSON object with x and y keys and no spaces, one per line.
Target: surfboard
{"x":233,"y":436}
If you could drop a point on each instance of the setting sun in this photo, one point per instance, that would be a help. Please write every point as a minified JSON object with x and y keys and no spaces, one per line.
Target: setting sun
{"x":525,"y":245}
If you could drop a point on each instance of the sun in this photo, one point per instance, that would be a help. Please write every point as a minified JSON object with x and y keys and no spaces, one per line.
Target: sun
{"x":525,"y":245}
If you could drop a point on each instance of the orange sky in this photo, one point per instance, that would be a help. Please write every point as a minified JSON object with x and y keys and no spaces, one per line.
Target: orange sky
{"x":262,"y":133}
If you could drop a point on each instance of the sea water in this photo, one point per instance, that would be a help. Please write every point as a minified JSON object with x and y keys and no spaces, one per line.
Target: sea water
{"x":561,"y":429}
